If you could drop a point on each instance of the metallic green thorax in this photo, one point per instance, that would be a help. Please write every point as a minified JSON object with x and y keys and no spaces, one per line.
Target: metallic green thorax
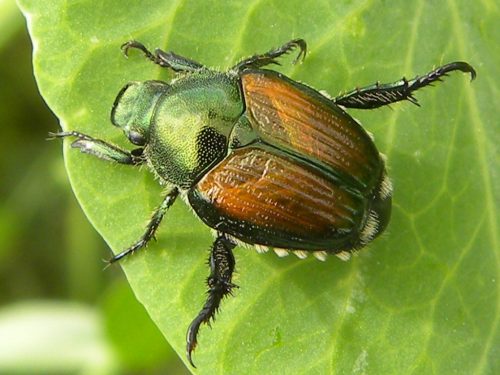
{"x":186,"y":125}
{"x":191,"y":126}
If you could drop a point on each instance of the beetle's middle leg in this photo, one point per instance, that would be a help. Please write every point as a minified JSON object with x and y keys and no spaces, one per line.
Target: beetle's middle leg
{"x":165,"y":59}
{"x":101,"y":149}
{"x":151,"y":228}
{"x":378,"y":95}
{"x":219,"y":283}
{"x":258,"y":61}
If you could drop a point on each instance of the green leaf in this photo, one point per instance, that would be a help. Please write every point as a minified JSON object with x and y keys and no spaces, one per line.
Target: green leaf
{"x":132,"y":329}
{"x":424,"y":298}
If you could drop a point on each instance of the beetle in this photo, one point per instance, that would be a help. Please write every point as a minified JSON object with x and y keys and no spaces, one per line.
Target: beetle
{"x":261,"y":159}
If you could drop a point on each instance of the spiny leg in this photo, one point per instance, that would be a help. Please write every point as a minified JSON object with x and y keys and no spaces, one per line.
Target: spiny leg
{"x":219,"y":285}
{"x":378,"y":95}
{"x":165,"y":59}
{"x":258,"y":61}
{"x":151,"y":227}
{"x":101,"y":149}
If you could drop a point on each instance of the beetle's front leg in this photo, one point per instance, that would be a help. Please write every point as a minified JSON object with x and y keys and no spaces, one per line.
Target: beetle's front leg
{"x":258,"y":61}
{"x":378,"y":95}
{"x":151,"y":228}
{"x":219,"y":285}
{"x":165,"y":59}
{"x":101,"y":149}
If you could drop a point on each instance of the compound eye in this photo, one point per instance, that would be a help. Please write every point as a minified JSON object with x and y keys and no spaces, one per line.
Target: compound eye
{"x":136,"y":138}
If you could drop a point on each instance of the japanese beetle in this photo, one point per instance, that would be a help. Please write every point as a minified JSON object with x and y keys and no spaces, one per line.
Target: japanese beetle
{"x":261,"y":159}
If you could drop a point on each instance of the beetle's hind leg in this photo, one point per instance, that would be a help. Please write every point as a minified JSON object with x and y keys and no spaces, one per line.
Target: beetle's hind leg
{"x":378,"y":95}
{"x":258,"y":61}
{"x":219,"y":283}
{"x":101,"y":149}
{"x":165,"y":59}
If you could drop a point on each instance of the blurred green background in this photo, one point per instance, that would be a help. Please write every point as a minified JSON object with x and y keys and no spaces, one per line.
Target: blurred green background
{"x":60,"y":311}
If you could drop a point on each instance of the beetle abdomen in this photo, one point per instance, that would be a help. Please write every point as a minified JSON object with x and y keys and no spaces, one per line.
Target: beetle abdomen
{"x":264,"y":197}
{"x":296,"y":118}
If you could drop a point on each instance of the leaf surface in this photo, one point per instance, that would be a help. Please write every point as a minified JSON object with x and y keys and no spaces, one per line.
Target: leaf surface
{"x":424,"y":298}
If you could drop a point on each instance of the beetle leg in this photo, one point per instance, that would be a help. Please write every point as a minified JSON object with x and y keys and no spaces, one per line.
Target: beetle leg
{"x":165,"y":59}
{"x":151,"y":227}
{"x":101,"y":149}
{"x":219,"y":285}
{"x":258,"y":61}
{"x":378,"y":95}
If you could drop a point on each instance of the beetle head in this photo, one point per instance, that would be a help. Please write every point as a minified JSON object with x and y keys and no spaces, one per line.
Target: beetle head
{"x":134,"y":107}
